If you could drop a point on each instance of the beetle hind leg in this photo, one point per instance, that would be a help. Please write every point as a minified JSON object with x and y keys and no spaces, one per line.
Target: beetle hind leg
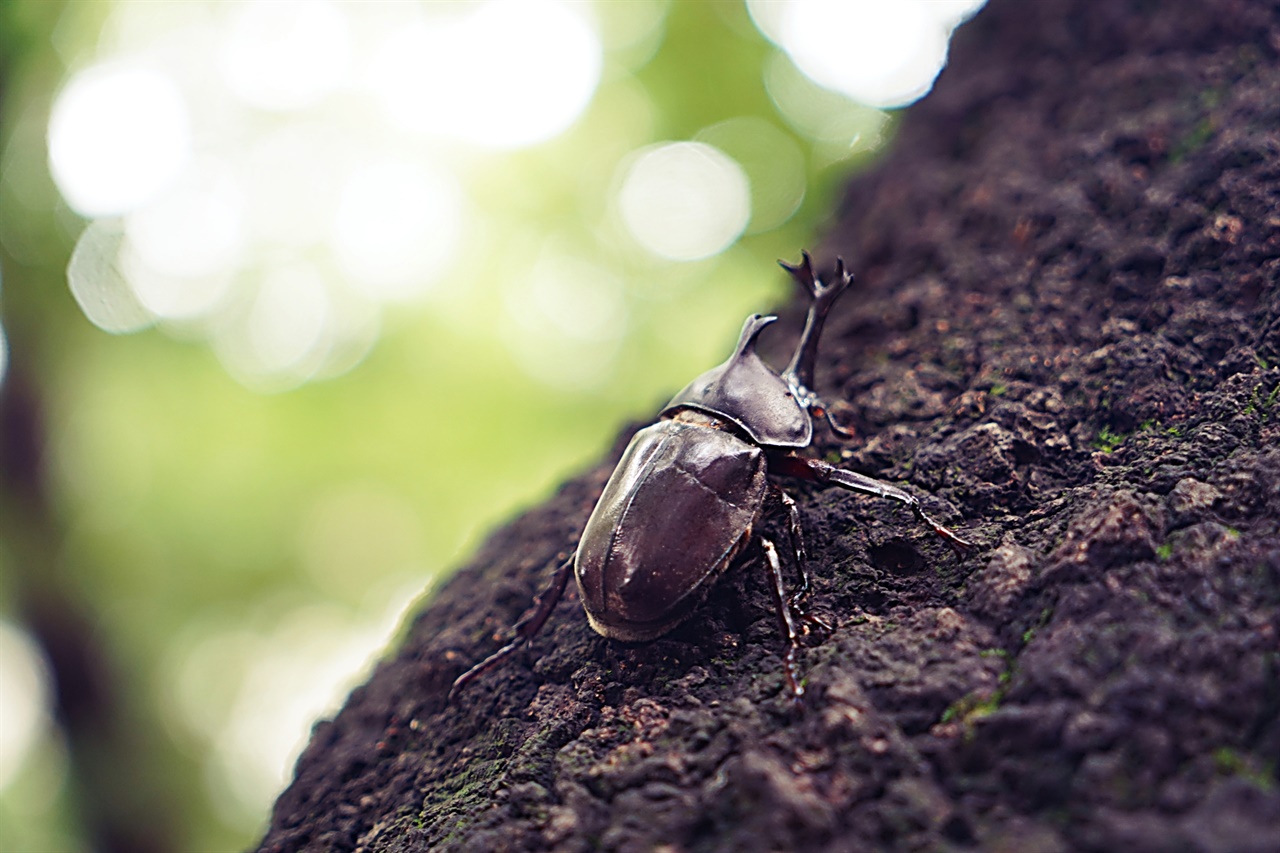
{"x":789,"y":619}
{"x":526,"y":629}
{"x":797,"y":600}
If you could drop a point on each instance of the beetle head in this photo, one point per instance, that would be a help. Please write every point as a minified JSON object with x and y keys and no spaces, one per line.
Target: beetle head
{"x":749,"y":393}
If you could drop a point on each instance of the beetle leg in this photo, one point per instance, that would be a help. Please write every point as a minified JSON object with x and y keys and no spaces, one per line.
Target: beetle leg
{"x":797,"y":598}
{"x":799,"y":373}
{"x":820,"y":409}
{"x":813,"y":469}
{"x":788,"y":618}
{"x":526,"y":629}
{"x":796,"y":533}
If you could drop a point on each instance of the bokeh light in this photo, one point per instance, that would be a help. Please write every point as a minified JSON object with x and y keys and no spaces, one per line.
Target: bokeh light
{"x":564,"y":321}
{"x":398,"y":224}
{"x":24,"y":699}
{"x":288,"y":317}
{"x":839,"y":125}
{"x":531,"y":67}
{"x":118,"y":135}
{"x":534,"y":66}
{"x":289,"y":172}
{"x":285,"y":54}
{"x":880,"y":54}
{"x":772,"y":161}
{"x":215,"y":245}
{"x":99,"y":284}
{"x":684,"y":200}
{"x":297,"y":322}
{"x":183,"y":248}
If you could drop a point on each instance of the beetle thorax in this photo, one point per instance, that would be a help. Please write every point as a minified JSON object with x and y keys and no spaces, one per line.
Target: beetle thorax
{"x":750,"y":394}
{"x":704,"y":419}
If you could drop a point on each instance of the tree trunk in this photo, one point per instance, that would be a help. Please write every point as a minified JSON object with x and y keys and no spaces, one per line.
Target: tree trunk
{"x":1066,"y":331}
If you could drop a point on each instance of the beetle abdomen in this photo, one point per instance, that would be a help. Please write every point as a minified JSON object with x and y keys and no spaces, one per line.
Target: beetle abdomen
{"x":678,"y":508}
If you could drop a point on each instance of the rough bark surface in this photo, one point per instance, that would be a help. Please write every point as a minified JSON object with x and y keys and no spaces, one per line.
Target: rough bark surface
{"x":1067,"y":332}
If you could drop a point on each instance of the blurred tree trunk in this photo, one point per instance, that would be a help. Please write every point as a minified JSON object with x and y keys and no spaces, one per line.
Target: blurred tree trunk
{"x":1066,"y":332}
{"x":120,"y":804}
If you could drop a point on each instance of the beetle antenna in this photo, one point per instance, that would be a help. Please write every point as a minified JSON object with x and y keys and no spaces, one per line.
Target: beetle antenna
{"x":799,"y":373}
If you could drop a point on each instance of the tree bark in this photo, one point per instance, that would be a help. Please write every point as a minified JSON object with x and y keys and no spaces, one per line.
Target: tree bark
{"x":1065,"y":337}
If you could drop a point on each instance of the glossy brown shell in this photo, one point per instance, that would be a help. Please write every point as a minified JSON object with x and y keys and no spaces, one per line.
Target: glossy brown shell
{"x":679,"y":507}
{"x":749,"y":393}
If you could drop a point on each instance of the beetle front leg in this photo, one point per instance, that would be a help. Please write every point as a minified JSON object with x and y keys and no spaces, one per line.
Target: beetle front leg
{"x":813,"y":469}
{"x":526,"y":629}
{"x":788,"y":617}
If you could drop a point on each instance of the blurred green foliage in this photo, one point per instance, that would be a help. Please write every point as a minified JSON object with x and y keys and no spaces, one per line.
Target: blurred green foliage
{"x":188,"y":518}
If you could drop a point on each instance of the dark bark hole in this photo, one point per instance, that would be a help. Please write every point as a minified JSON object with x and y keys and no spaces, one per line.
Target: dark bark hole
{"x":957,"y":829}
{"x":1025,"y":453}
{"x":896,"y":556}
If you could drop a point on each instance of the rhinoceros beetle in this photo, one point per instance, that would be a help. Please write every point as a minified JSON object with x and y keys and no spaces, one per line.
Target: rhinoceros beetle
{"x":689,"y":490}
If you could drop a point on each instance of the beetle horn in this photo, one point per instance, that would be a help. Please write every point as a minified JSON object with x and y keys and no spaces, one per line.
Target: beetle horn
{"x":802,"y":273}
{"x":751,"y":330}
{"x":799,"y":373}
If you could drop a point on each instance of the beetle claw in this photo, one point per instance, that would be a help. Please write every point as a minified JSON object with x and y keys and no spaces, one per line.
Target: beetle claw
{"x":816,"y":624}
{"x":819,"y":409}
